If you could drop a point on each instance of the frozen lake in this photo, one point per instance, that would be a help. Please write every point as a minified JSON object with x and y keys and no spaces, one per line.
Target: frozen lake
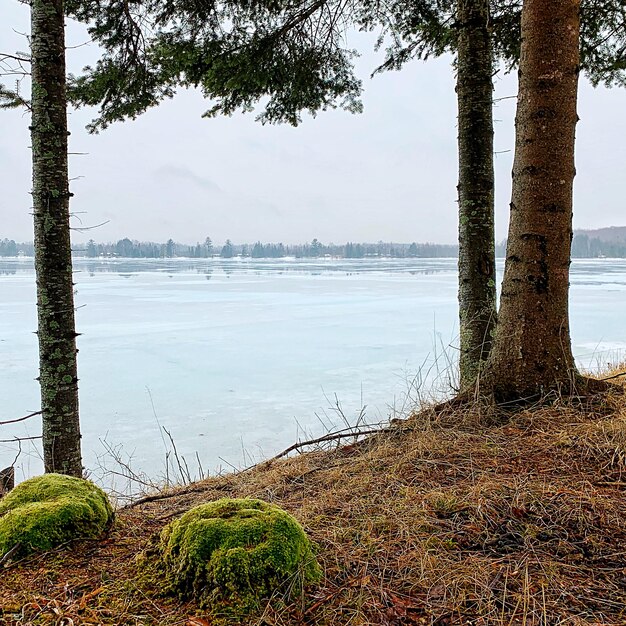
{"x":239,"y":358}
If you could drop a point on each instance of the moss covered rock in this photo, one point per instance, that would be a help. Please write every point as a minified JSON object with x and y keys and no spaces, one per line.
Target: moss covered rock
{"x":231,"y":555}
{"x":44,"y":512}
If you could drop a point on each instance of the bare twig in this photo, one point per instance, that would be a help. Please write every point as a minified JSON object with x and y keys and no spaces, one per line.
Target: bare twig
{"x":19,"y":451}
{"x":20,"y":419}
{"x":183,"y":469}
{"x":82,"y":229}
{"x":10,"y":553}
{"x":21,"y":439}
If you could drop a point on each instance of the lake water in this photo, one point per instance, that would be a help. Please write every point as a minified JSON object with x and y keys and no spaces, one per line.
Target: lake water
{"x":237,"y":359}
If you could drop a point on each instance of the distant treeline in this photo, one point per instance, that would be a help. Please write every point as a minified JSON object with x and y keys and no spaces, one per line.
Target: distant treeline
{"x":583,"y":246}
{"x":259,"y":250}
{"x":128,"y":248}
{"x":8,"y":247}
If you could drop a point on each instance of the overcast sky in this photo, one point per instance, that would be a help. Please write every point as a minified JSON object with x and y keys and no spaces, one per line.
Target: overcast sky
{"x":389,"y":173}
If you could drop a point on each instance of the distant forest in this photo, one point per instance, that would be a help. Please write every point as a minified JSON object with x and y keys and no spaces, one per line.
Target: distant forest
{"x":127,"y":248}
{"x":608,"y":242}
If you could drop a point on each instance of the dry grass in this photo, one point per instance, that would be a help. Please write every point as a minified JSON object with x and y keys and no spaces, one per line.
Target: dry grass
{"x":464,"y":517}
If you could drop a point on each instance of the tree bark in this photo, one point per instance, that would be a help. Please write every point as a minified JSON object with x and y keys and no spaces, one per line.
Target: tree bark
{"x":53,"y":261}
{"x":477,"y":285}
{"x":532,"y":351}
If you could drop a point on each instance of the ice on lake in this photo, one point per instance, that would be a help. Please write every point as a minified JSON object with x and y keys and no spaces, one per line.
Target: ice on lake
{"x":237,"y":359}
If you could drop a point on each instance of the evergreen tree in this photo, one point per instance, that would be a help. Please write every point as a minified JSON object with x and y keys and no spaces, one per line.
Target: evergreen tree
{"x":8,"y":247}
{"x":53,"y":259}
{"x":124,"y":248}
{"x":92,"y":251}
{"x":296,"y":58}
{"x":477,"y":262}
{"x":316,"y":248}
{"x":257,"y":250}
{"x":228,"y":250}
{"x":208,"y":247}
{"x":532,"y":351}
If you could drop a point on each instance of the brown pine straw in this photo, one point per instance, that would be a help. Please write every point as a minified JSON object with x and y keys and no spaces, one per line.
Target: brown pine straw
{"x":471,"y":516}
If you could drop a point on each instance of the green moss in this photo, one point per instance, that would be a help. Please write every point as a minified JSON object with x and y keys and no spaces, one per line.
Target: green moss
{"x":46,"y":511}
{"x":230,"y":555}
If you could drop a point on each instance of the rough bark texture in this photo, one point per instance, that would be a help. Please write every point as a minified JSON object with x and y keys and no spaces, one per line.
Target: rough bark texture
{"x":532,"y":350}
{"x":7,"y":480}
{"x":477,"y":285}
{"x":53,"y":261}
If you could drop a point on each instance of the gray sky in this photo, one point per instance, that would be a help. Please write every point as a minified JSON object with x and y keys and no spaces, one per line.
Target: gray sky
{"x":389,"y":173}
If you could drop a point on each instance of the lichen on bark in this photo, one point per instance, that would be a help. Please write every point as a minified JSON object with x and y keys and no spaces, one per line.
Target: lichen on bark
{"x":56,"y":332}
{"x":474,"y":87}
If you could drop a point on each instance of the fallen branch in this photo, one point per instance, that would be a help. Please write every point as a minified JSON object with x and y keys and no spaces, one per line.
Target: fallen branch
{"x":336,"y":436}
{"x":613,"y":376}
{"x":164,"y":496}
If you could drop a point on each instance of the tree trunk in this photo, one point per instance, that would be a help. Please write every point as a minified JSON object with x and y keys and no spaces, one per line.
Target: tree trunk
{"x":7,"y":480}
{"x":53,"y":260}
{"x":532,"y":350}
{"x":477,"y":285}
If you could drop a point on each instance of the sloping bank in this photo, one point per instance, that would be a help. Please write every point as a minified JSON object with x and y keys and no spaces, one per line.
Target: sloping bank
{"x":470,"y":517}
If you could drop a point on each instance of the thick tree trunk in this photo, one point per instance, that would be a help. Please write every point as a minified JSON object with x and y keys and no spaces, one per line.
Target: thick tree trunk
{"x":53,"y":260}
{"x":477,"y":285}
{"x":532,"y":350}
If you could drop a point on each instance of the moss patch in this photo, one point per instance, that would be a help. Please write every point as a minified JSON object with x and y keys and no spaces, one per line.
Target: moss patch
{"x":46,"y":511}
{"x":231,"y":554}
